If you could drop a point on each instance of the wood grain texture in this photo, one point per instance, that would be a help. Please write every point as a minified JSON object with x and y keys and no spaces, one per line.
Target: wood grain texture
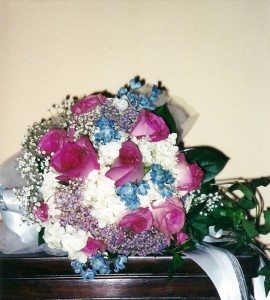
{"x":41,"y":276}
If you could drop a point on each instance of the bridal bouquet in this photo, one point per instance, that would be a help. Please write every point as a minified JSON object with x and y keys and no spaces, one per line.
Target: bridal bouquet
{"x":108,"y":177}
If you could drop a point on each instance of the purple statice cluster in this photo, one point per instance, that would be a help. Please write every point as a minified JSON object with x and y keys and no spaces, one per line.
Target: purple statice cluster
{"x":128,"y":243}
{"x":123,"y":120}
{"x":73,"y":212}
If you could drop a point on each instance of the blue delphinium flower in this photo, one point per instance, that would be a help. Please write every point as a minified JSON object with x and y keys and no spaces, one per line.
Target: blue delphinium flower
{"x":89,"y":274}
{"x":107,"y":132}
{"x":154,"y":94}
{"x":127,"y":193}
{"x":119,"y":263}
{"x":122,"y":91}
{"x":134,"y":99}
{"x":134,"y":85}
{"x":146,"y":103}
{"x":163,"y":179}
{"x":142,"y":188}
{"x":77,"y":266}
{"x":100,"y":264}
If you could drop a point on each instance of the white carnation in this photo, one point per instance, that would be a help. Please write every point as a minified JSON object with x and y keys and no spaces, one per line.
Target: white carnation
{"x":53,"y":235}
{"x":109,"y":152}
{"x":73,"y":241}
{"x":165,"y":153}
{"x":100,"y":195}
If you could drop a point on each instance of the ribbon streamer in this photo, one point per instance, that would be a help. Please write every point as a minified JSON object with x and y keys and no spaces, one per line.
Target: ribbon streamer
{"x":223,"y":269}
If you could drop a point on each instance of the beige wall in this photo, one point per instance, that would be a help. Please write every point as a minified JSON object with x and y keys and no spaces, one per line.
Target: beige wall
{"x":213,"y":54}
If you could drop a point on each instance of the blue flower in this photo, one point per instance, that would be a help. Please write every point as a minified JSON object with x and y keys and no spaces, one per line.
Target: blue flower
{"x":163,"y":179}
{"x":107,"y":132}
{"x":154,"y":94}
{"x":127,"y":193}
{"x":142,"y":188}
{"x":100,"y":264}
{"x":119,"y":263}
{"x":146,"y":103}
{"x":122,"y":91}
{"x":89,"y":274}
{"x":134,"y":99}
{"x":104,"y":123}
{"x":134,"y":85}
{"x":77,"y":266}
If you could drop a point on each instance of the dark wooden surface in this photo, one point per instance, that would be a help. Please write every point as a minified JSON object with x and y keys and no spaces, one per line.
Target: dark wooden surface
{"x":45,"y":277}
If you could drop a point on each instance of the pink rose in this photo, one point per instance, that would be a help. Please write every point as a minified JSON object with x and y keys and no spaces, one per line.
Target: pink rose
{"x":189,"y":176}
{"x":149,"y":124}
{"x":41,"y":212}
{"x":137,"y":221}
{"x":75,"y":159}
{"x":52,"y":141}
{"x":93,"y":246}
{"x":88,"y":103}
{"x":181,"y":237}
{"x":169,"y":217}
{"x":128,"y":166}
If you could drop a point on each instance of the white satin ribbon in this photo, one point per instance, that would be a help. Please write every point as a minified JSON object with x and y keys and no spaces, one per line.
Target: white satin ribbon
{"x":11,"y":215}
{"x":223,"y":269}
{"x":258,"y":284}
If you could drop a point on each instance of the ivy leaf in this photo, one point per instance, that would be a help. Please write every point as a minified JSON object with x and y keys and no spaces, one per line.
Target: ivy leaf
{"x":200,"y":225}
{"x":265,"y":229}
{"x":211,"y":160}
{"x":164,"y":112}
{"x":242,"y":188}
{"x":40,"y":236}
{"x":265,"y":271}
{"x":246,"y":203}
{"x":249,"y":228}
{"x":176,"y":264}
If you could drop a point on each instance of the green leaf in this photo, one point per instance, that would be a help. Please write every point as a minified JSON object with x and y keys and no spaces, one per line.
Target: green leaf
{"x":230,"y":217}
{"x":246,"y":203}
{"x":176,"y":264}
{"x":266,"y":215}
{"x":164,"y":112}
{"x":265,"y":271}
{"x":40,"y":236}
{"x":249,"y":228}
{"x":265,"y":229}
{"x":200,"y":226}
{"x":211,"y":160}
{"x":242,"y":188}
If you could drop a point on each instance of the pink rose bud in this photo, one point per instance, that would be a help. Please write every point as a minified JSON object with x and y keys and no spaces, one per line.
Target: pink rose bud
{"x":149,"y":124}
{"x":181,"y":237}
{"x":52,"y":141}
{"x":75,"y":159}
{"x":189,"y":176}
{"x":87,"y":104}
{"x":137,"y":221}
{"x":93,"y":246}
{"x":169,"y":217}
{"x":41,"y":212}
{"x":128,"y":167}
